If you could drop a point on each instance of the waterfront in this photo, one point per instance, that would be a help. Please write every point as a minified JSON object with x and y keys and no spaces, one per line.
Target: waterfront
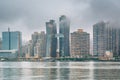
{"x":59,"y":70}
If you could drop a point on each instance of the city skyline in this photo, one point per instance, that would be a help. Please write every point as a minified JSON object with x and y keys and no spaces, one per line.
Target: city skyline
{"x":32,"y":15}
{"x":59,"y":39}
{"x":106,"y":39}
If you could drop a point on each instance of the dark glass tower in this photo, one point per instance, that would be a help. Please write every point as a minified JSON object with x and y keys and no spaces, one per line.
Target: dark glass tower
{"x":64,"y":29}
{"x":51,"y":46}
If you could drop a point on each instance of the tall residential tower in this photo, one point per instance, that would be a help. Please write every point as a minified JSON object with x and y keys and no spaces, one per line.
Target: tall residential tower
{"x":80,"y":43}
{"x":106,"y":38}
{"x":99,"y":39}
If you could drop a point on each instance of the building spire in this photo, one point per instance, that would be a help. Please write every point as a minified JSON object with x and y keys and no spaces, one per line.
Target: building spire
{"x":8,"y":29}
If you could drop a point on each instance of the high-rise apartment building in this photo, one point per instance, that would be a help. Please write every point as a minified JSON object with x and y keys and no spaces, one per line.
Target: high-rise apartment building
{"x":106,"y":38}
{"x":34,"y":41}
{"x":28,"y":49}
{"x":64,"y":29}
{"x":80,"y":43}
{"x":113,"y":39}
{"x":99,"y":39}
{"x":40,"y":47}
{"x":37,"y":46}
{"x":51,"y":39}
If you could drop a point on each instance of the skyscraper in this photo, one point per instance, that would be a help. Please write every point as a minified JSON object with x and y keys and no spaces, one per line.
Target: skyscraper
{"x":28,"y":50}
{"x":34,"y":41}
{"x":106,"y":38}
{"x":64,"y":29}
{"x":99,"y":39}
{"x":0,"y":44}
{"x":41,"y":45}
{"x":51,"y":45}
{"x":80,"y":43}
{"x":12,"y":40}
{"x":42,"y":38}
{"x":113,"y":39}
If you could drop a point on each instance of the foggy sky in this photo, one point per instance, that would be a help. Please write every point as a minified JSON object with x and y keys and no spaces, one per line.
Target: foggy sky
{"x":29,"y":16}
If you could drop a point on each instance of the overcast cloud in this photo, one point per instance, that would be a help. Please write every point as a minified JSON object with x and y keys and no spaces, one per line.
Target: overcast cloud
{"x":28,"y":16}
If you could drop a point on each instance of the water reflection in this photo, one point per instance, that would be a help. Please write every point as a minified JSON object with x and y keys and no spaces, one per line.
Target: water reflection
{"x":59,"y":71}
{"x":107,"y":74}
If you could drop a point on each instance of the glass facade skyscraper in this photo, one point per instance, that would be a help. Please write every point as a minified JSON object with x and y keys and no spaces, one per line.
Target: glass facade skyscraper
{"x":64,"y":29}
{"x":51,"y":46}
{"x":12,"y":41}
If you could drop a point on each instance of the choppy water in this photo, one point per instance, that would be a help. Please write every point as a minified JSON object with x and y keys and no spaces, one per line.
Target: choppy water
{"x":59,"y":70}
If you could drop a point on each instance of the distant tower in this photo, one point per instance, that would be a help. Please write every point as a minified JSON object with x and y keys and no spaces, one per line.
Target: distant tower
{"x":106,"y":37}
{"x":113,"y":39}
{"x":64,"y":29}
{"x":34,"y":41}
{"x":42,"y":39}
{"x":99,"y":39}
{"x":40,"y":47}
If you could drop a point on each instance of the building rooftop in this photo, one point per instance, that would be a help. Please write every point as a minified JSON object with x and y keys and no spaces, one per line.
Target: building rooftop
{"x":5,"y":51}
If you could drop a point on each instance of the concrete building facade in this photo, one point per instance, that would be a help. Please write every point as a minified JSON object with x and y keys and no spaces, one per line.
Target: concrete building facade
{"x":80,"y":43}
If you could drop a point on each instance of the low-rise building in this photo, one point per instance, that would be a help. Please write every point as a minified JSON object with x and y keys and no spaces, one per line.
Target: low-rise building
{"x":8,"y":54}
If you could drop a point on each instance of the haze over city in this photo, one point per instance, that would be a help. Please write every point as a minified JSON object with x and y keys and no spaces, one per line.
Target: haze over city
{"x":29,"y":16}
{"x":59,"y":39}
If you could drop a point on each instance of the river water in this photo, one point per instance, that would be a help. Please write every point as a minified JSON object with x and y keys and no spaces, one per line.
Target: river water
{"x":60,"y":70}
